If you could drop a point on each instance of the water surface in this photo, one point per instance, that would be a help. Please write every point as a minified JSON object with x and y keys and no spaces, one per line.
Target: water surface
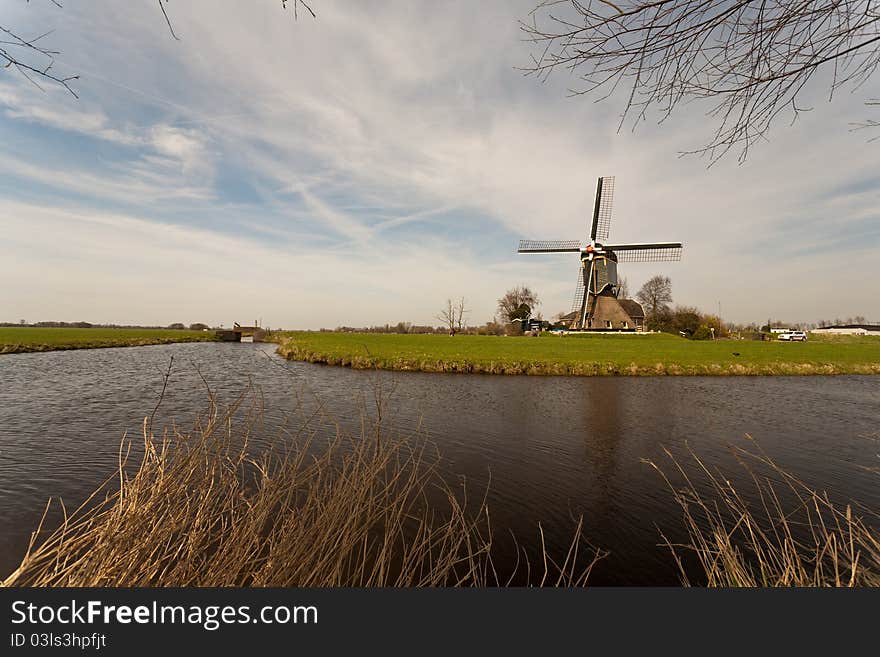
{"x":554,"y":448}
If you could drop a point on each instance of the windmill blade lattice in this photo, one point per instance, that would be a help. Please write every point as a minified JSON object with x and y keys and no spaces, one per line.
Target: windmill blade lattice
{"x":655,"y":254}
{"x":578,"y":301}
{"x":549,"y":246}
{"x":602,"y":212}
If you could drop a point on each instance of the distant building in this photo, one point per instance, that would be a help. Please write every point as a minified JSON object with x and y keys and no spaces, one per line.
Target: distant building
{"x":534,"y":324}
{"x":635,"y":311}
{"x":849,"y":329}
{"x":780,"y":329}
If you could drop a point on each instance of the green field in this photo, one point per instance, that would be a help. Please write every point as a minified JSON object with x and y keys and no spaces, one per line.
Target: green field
{"x":584,"y":355}
{"x":16,"y":340}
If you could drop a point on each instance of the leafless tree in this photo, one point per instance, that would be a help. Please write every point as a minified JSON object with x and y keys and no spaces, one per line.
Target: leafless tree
{"x":753,"y":59}
{"x":623,"y":289}
{"x":655,"y":295}
{"x":510,"y":305}
{"x":453,"y":314}
{"x":462,"y":311}
{"x":36,"y":61}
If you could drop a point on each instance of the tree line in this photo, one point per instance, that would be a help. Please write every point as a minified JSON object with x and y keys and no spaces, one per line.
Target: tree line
{"x":519,"y":304}
{"x":197,"y":326}
{"x":655,"y":297}
{"x":514,"y":306}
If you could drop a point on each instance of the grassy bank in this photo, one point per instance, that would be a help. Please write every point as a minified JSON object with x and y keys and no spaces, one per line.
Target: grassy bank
{"x":583,"y":355}
{"x":17,"y":340}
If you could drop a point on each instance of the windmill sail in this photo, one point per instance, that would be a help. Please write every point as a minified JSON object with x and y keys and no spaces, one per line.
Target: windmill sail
{"x":549,"y":246}
{"x":648,"y":252}
{"x":577,"y":303}
{"x":602,"y":210}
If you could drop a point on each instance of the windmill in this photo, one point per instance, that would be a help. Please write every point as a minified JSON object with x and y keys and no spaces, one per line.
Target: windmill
{"x":595,"y":303}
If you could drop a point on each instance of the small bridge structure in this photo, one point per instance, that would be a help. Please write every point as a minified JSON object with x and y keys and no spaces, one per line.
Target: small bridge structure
{"x":237,"y":332}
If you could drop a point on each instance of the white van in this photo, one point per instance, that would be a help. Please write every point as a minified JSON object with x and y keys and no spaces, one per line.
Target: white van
{"x":793,"y":336}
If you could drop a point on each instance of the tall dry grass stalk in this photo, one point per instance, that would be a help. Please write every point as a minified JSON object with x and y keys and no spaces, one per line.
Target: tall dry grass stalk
{"x":795,"y":536}
{"x":199,"y":510}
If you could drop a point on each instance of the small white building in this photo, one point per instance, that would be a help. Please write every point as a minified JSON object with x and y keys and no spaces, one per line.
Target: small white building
{"x":849,"y":329}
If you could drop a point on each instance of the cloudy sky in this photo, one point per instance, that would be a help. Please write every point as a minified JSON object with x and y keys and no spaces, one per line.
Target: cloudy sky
{"x":362,"y":167}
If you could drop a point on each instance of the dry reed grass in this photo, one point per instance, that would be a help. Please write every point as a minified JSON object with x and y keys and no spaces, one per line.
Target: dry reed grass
{"x":796,"y":536}
{"x":345,"y":511}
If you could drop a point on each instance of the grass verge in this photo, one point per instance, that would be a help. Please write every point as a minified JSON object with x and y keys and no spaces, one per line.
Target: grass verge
{"x":583,"y":355}
{"x":17,"y":340}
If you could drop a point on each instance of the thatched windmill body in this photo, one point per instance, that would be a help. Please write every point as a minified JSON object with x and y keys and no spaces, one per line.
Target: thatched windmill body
{"x":595,"y":304}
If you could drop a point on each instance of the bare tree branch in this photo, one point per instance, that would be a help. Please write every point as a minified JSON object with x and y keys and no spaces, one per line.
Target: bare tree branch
{"x":35,"y":62}
{"x":752,"y":57}
{"x":31,"y":59}
{"x":462,"y":310}
{"x":869,"y":123}
{"x":295,"y":3}
{"x":168,"y":20}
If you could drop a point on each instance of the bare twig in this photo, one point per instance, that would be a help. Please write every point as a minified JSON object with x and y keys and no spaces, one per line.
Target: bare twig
{"x":165,"y":376}
{"x":36,"y":62}
{"x":168,"y":20}
{"x":753,"y":59}
{"x":31,"y":59}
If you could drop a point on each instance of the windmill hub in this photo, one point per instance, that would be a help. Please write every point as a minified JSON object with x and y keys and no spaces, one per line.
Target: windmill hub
{"x":592,"y":249}
{"x":595,"y":304}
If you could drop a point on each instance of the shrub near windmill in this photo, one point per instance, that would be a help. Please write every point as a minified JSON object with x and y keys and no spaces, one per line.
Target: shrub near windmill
{"x":596,"y":305}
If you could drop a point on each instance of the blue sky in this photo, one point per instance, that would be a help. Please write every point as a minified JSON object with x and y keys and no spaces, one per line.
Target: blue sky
{"x":362,"y":167}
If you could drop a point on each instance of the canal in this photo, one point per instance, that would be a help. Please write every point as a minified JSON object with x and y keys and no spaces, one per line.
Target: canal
{"x":549,"y":449}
